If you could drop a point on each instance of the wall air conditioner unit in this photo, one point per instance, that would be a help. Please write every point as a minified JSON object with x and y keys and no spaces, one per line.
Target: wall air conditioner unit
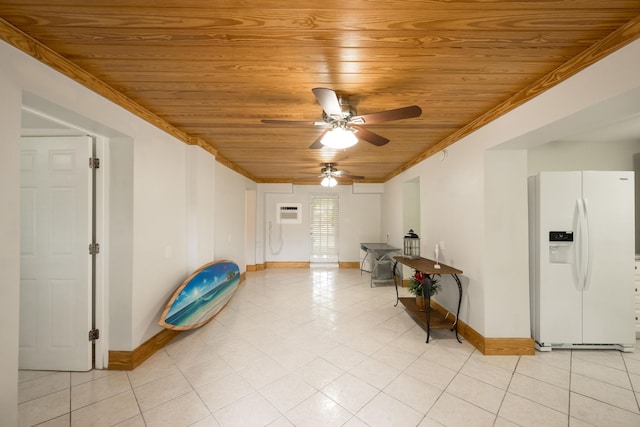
{"x":289,"y":213}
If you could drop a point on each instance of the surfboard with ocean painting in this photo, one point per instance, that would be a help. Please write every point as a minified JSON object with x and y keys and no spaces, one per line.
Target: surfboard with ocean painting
{"x":199,"y":298}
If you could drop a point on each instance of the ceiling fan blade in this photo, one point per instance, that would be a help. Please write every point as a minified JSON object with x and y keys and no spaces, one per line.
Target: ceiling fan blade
{"x":352,"y":176}
{"x":341,"y":172}
{"x":371,"y":137}
{"x":328,"y":99}
{"x":387,"y":116}
{"x":317,"y":144}
{"x":288,"y":122}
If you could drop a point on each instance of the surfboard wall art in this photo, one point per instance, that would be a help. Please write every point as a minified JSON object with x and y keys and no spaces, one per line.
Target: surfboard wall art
{"x":201,"y":296}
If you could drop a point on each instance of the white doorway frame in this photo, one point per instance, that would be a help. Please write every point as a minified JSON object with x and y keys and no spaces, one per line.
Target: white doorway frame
{"x":101,"y":291}
{"x":101,"y":213}
{"x":323,"y":258}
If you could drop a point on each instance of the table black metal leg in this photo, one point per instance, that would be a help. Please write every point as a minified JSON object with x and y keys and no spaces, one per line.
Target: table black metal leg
{"x":366,"y":254}
{"x":395,"y":282}
{"x":427,"y":308}
{"x":455,"y":325}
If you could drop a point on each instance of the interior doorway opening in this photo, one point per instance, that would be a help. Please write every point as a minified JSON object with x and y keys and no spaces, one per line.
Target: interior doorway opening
{"x":42,"y":119}
{"x":411,"y":211}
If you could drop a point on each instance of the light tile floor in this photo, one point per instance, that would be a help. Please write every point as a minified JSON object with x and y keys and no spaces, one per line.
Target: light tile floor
{"x":320,"y":347}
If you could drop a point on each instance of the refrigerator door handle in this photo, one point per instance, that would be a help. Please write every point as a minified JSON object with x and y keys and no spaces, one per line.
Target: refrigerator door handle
{"x":579,"y":250}
{"x":586,"y":247}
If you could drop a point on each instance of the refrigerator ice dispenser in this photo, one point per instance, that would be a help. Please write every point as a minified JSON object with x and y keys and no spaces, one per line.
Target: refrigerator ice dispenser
{"x":561,"y":247}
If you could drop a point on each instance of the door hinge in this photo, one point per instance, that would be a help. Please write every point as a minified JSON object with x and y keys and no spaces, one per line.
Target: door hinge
{"x":94,"y":162}
{"x":94,"y":334}
{"x":94,"y":248}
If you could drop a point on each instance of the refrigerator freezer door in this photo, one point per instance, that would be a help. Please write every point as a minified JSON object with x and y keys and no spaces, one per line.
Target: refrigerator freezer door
{"x":558,"y":297}
{"x":608,"y":310}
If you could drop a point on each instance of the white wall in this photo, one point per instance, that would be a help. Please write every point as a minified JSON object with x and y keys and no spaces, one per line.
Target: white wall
{"x":583,"y":155}
{"x":506,"y":264}
{"x":201,"y":178}
{"x":230,"y":201}
{"x":468,"y":218}
{"x":120,"y":244}
{"x":359,"y":222}
{"x":411,"y":206}
{"x":250,"y":220}
{"x":159,"y":228}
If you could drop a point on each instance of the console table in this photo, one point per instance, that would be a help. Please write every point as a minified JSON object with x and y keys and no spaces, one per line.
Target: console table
{"x":428,"y":266}
{"x":380,"y":252}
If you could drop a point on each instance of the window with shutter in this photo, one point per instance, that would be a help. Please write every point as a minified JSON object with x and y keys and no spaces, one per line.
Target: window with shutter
{"x":324,"y":228}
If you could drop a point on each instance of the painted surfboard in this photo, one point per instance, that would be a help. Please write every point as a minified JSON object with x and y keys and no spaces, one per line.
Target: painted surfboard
{"x":199,"y":298}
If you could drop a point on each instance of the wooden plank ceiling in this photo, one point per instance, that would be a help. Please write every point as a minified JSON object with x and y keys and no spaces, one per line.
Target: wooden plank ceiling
{"x":209,"y":71}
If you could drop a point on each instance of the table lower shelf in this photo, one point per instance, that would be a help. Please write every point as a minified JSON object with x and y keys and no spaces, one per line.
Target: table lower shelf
{"x":437,"y":320}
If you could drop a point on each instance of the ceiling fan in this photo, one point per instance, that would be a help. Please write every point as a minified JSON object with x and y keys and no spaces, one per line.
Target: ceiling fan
{"x":341,"y":121}
{"x":329,"y":175}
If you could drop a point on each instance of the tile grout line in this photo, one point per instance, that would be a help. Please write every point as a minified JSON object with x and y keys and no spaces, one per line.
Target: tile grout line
{"x":513,"y":373}
{"x":135,"y":396}
{"x":635,"y":393}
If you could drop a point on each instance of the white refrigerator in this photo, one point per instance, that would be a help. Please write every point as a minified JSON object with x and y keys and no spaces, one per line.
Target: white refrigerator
{"x":581,"y":236}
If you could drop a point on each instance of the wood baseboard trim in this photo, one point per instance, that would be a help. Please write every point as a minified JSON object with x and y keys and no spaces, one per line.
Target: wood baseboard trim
{"x":294,"y":264}
{"x":129,"y":360}
{"x":349,"y":264}
{"x":491,"y":346}
{"x":509,"y":346}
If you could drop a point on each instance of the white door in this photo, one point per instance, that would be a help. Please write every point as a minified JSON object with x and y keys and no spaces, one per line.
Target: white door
{"x":608,"y":297}
{"x":55,"y":270}
{"x":324,"y":228}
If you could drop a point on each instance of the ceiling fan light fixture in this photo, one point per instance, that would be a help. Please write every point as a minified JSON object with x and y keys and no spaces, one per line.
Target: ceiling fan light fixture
{"x":339,"y":138}
{"x":328,"y":181}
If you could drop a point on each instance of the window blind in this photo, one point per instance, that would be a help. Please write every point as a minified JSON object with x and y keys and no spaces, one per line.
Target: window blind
{"x":324,"y":228}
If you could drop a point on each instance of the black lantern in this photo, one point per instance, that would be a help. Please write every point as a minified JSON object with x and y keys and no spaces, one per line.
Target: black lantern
{"x":411,"y":245}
